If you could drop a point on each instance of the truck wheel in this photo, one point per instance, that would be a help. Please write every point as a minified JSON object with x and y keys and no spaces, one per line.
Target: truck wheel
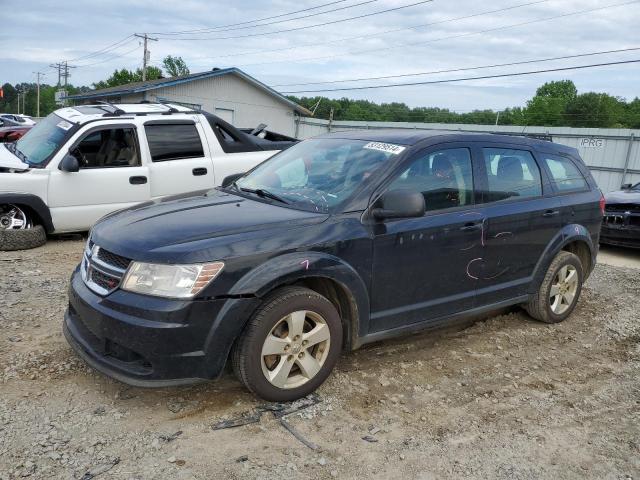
{"x":290,"y":345}
{"x":559,"y":291}
{"x":17,"y":230}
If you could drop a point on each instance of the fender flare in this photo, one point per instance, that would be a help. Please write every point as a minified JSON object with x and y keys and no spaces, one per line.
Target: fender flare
{"x":35,"y":203}
{"x":291,"y":267}
{"x":569,"y":233}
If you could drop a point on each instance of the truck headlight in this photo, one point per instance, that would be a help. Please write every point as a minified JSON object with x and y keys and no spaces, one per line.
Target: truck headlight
{"x":177,"y":281}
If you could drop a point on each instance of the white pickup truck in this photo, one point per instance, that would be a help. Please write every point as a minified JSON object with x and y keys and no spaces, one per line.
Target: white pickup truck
{"x":81,"y":163}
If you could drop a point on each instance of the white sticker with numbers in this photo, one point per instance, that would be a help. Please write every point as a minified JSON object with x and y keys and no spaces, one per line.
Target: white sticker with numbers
{"x":64,"y":125}
{"x":385,"y":147}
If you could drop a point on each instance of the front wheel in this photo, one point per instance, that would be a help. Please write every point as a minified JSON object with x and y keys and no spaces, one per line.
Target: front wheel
{"x":559,"y":291}
{"x":290,"y":346}
{"x":17,"y":230}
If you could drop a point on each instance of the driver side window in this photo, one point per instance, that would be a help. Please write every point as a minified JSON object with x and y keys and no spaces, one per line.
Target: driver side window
{"x":444,"y":178}
{"x":115,"y":147}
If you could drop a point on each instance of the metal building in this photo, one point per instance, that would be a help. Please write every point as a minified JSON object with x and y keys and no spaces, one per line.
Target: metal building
{"x":229,"y":93}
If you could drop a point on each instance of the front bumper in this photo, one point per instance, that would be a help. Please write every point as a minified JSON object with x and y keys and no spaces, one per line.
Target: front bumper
{"x":621,"y":229}
{"x":153,"y":342}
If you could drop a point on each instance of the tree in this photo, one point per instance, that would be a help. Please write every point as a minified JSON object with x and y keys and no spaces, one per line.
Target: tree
{"x":548,"y":106}
{"x":175,"y":66}
{"x":125,"y":76}
{"x":595,"y":110}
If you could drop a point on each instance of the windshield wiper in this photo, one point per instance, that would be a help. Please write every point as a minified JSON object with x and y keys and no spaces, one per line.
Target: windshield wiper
{"x":13,"y":148}
{"x":261,"y":192}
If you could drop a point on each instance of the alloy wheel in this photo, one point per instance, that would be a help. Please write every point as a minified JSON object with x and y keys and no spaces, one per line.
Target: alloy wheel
{"x":563,"y":289}
{"x":295,"y":349}
{"x":13,"y":218}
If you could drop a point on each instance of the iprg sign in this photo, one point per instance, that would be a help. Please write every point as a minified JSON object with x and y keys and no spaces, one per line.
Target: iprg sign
{"x":592,"y":142}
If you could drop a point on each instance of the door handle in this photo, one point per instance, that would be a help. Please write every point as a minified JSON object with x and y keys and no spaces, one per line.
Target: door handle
{"x":551,"y":213}
{"x":199,"y":171}
{"x":138,"y":180}
{"x":471,"y":226}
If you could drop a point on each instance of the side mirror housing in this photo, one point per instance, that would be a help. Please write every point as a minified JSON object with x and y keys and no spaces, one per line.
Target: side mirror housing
{"x":626,"y":186}
{"x":69,"y":164}
{"x":229,"y":179}
{"x":400,"y":204}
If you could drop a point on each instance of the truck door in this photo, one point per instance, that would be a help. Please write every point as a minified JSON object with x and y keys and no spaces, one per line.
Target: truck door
{"x":111,"y":177}
{"x":180,"y":161}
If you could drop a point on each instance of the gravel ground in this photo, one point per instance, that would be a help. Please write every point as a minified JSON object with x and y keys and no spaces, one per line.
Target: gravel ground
{"x":505,"y":397}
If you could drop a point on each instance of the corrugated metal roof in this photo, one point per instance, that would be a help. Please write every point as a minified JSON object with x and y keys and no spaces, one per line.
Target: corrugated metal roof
{"x":138,"y":87}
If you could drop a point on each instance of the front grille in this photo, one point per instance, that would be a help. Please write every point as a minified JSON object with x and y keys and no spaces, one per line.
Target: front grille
{"x":102,"y":271}
{"x":113,"y":259}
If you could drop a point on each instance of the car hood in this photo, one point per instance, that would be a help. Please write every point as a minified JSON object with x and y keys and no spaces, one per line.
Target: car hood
{"x":195,"y":227}
{"x":9,"y":160}
{"x":622,"y":196}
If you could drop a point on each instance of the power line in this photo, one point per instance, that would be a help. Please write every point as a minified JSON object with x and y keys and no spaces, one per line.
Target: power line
{"x":483,"y":77}
{"x":110,"y":58}
{"x":205,"y":30}
{"x":292,"y":19}
{"x":333,"y":22}
{"x":450,"y":37}
{"x":460,"y":69}
{"x":106,"y":49}
{"x":360,"y":37}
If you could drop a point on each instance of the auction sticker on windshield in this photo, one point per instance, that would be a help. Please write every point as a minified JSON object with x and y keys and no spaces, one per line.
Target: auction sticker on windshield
{"x":385,"y":147}
{"x":65,"y":125}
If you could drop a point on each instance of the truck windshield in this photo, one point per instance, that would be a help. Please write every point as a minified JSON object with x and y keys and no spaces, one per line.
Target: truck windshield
{"x":318,"y":174}
{"x":44,"y":139}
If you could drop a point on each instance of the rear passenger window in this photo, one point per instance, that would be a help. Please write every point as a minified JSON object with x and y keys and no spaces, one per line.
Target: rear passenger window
{"x":511,"y":174}
{"x":173,"y":141}
{"x":565,"y":176}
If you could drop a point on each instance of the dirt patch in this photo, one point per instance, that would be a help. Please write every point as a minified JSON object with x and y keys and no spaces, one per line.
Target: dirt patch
{"x":503,"y":398}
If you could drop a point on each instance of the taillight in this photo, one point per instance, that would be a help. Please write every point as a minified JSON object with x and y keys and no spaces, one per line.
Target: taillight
{"x":602,"y":204}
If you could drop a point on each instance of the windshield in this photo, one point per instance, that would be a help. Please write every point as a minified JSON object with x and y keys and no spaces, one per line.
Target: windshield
{"x":318,"y":174}
{"x":44,"y":139}
{"x":636,"y":187}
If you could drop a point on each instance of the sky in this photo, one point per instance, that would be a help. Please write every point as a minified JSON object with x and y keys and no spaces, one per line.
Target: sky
{"x":285,"y":49}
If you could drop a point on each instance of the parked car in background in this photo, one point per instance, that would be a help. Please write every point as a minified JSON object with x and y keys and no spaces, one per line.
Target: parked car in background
{"x":339,"y":241}
{"x":81,"y":163}
{"x":10,"y":131}
{"x":621,"y":223}
{"x":18,"y":118}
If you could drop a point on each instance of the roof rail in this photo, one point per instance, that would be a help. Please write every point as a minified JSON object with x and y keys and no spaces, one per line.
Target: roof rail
{"x":115,"y":110}
{"x":546,"y":137}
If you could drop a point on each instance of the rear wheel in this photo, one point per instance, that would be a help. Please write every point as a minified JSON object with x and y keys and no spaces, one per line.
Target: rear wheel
{"x":559,"y":291}
{"x":17,"y":229}
{"x":290,"y":346}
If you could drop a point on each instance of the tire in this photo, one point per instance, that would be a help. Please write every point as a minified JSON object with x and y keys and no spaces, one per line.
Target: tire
{"x":543,"y":306}
{"x":277,"y":318}
{"x":22,"y":239}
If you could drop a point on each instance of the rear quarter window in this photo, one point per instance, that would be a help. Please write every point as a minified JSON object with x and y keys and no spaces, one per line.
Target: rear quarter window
{"x":564,"y":174}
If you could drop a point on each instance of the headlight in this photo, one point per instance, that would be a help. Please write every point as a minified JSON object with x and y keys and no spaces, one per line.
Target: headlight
{"x":178,"y":281}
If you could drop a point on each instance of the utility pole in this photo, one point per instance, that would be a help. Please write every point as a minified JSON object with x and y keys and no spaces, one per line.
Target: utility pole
{"x":38,"y":92}
{"x":146,"y":56}
{"x":498,"y":117}
{"x":63,"y":74}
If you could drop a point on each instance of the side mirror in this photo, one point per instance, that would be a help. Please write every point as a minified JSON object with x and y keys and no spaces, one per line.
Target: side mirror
{"x":626,"y":186}
{"x":229,"y":179}
{"x":400,"y":204}
{"x":69,"y":164}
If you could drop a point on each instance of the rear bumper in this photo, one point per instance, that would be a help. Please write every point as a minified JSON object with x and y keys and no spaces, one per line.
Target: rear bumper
{"x":153,"y":342}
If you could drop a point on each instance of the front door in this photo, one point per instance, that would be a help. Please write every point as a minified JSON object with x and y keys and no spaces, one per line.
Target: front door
{"x":421,"y":265}
{"x":111,"y":177}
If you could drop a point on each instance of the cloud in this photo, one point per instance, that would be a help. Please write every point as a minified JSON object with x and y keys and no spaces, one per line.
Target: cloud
{"x":45,"y":32}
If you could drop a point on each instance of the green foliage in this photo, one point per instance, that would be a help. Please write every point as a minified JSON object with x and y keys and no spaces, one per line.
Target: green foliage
{"x":124,"y":76}
{"x":175,"y":66}
{"x":595,"y":110}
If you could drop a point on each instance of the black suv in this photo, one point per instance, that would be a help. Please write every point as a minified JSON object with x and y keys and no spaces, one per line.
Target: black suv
{"x":339,"y":241}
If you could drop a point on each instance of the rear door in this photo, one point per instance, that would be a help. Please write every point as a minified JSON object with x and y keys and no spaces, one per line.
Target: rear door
{"x":111,"y":177}
{"x":521,"y":220}
{"x":180,"y":160}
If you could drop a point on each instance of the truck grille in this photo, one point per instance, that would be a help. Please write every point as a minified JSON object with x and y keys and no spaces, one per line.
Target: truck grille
{"x":102,"y":271}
